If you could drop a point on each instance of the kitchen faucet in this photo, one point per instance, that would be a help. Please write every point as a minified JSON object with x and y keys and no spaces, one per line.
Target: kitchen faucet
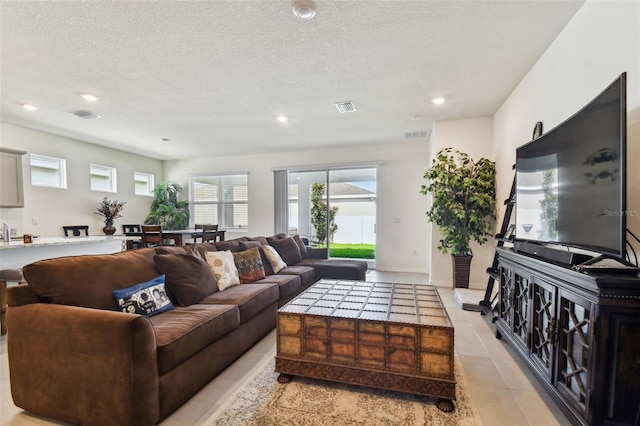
{"x":6,"y":231}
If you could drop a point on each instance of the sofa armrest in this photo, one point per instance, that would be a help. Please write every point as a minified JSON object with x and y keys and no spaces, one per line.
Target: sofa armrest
{"x":83,"y":366}
{"x":21,"y":294}
{"x":317,"y":253}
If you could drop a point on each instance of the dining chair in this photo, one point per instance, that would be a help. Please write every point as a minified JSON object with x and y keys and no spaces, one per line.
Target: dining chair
{"x":209,"y":233}
{"x":131,"y":228}
{"x":132,"y":244}
{"x":152,"y":236}
{"x":76,"y":231}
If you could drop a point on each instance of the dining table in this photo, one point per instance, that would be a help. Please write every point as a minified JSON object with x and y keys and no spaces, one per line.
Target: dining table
{"x":180,"y":235}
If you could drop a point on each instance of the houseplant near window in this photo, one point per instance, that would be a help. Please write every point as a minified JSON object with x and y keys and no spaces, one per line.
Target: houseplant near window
{"x":166,"y":208}
{"x":464,"y":197}
{"x":110,"y":210}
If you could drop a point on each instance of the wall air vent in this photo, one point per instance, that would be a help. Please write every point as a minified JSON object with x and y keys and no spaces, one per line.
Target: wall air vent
{"x":347,"y":106}
{"x":415,"y":135}
{"x":85,"y":114}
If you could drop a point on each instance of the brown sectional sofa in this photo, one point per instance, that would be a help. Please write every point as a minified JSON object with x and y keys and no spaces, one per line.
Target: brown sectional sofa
{"x":74,"y":357}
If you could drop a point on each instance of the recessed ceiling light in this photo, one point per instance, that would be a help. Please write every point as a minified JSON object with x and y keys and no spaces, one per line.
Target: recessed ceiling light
{"x":304,"y":9}
{"x":89,"y":97}
{"x":165,"y":139}
{"x":438,"y":100}
{"x":282,"y":118}
{"x":30,"y":107}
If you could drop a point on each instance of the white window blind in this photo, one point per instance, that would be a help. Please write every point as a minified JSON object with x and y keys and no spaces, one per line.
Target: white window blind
{"x":48,"y":171}
{"x":221,"y":200}
{"x":144,"y":183}
{"x":103,"y":178}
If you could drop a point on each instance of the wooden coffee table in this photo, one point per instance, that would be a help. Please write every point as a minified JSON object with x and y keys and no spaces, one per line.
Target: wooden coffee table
{"x":383,"y":335}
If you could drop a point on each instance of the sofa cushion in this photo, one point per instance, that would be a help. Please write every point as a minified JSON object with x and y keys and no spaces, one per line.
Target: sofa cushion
{"x":276,"y":262}
{"x":232,"y":245}
{"x":301,"y":246}
{"x":262,"y":240}
{"x":250,"y":298}
{"x":172,"y":249}
{"x":89,"y":281}
{"x":223,"y":268}
{"x":185,"y":330}
{"x":288,"y":250}
{"x":288,"y":285}
{"x":307,"y":274}
{"x":148,"y":298}
{"x":249,"y":265}
{"x":202,"y":248}
{"x":189,"y":278}
{"x":345,"y":269}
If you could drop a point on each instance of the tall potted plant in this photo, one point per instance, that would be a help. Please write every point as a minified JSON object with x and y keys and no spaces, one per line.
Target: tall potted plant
{"x":166,"y":208}
{"x":463,"y":205}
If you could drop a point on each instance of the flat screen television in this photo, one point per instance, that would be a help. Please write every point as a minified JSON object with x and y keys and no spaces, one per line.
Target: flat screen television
{"x":571,"y":181}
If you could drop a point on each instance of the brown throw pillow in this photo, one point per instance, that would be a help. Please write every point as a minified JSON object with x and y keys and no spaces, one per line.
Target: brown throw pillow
{"x":301,"y":246}
{"x":288,"y":250}
{"x":188,"y":277}
{"x":249,"y":264}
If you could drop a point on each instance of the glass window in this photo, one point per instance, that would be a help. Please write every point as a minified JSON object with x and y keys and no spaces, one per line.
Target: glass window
{"x":144,"y":183}
{"x":221,"y":200}
{"x":48,"y":171}
{"x":103,"y":178}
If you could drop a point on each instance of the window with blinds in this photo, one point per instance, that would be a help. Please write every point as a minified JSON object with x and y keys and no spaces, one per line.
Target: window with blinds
{"x":48,"y":171}
{"x":103,"y":178}
{"x":221,"y":200}
{"x":144,"y":183}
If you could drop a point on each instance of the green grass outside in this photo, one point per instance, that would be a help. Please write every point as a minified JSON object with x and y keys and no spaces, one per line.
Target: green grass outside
{"x":354,"y":251}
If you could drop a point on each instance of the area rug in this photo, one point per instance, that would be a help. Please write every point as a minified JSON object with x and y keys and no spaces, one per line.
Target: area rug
{"x":262,"y":401}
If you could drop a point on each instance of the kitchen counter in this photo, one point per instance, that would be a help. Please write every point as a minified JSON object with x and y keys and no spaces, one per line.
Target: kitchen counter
{"x":16,"y":254}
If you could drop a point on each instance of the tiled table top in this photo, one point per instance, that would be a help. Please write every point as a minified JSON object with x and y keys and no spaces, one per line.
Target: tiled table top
{"x":389,"y":302}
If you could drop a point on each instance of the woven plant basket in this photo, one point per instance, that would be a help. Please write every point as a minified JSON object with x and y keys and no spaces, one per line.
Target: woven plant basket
{"x":461,"y":269}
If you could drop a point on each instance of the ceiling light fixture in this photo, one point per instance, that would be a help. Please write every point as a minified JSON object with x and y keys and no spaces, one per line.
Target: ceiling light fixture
{"x":438,"y":100}
{"x":304,"y":9}
{"x":165,"y":139}
{"x":30,"y":107}
{"x":282,"y":118}
{"x":89,"y":97}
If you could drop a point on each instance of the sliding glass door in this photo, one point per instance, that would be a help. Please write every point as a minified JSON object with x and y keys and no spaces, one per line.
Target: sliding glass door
{"x":335,"y":208}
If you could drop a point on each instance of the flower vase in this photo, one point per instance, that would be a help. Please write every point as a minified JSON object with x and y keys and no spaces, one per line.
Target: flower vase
{"x":109,"y":229}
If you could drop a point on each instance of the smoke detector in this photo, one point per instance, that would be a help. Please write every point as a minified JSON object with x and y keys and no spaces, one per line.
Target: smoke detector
{"x":304,"y":9}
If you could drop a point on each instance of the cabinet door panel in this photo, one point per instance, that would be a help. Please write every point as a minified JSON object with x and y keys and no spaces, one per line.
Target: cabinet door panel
{"x":575,"y":340}
{"x":544,"y":325}
{"x":520,"y":302}
{"x":506,"y":290}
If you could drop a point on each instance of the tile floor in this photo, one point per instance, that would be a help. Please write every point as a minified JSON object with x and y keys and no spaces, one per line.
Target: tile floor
{"x":504,"y":390}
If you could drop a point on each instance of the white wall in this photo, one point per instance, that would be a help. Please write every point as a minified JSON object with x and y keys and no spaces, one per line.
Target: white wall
{"x":75,"y":205}
{"x":472,"y":136}
{"x":599,"y":43}
{"x":402,"y":226}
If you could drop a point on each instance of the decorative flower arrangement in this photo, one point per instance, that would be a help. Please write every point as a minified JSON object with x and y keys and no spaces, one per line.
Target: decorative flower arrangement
{"x":110,"y":210}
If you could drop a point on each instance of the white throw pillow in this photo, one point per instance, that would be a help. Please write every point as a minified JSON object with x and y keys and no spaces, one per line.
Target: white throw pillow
{"x":274,"y":258}
{"x":223,"y":268}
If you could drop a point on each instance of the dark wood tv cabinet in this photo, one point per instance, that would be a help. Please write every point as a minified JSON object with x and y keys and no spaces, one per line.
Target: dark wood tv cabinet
{"x":578,"y":332}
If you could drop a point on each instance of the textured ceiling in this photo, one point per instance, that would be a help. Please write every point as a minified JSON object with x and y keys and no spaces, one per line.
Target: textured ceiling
{"x":213,"y":75}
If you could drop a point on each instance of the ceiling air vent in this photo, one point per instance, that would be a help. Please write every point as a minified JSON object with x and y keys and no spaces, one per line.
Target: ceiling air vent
{"x":85,"y":114}
{"x":347,"y":106}
{"x":414,"y":135}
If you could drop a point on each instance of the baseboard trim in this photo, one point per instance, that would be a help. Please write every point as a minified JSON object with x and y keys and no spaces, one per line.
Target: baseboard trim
{"x":409,"y":270}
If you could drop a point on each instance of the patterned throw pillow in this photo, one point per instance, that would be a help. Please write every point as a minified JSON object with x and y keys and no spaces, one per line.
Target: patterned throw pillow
{"x":147,"y":298}
{"x":274,"y":258}
{"x":223,"y":268}
{"x":249,"y":264}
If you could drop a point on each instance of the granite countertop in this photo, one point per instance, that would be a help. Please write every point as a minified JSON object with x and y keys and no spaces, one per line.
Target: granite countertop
{"x":57,"y":241}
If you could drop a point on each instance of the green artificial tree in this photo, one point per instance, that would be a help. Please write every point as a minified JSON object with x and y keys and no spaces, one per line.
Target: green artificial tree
{"x":463,"y":205}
